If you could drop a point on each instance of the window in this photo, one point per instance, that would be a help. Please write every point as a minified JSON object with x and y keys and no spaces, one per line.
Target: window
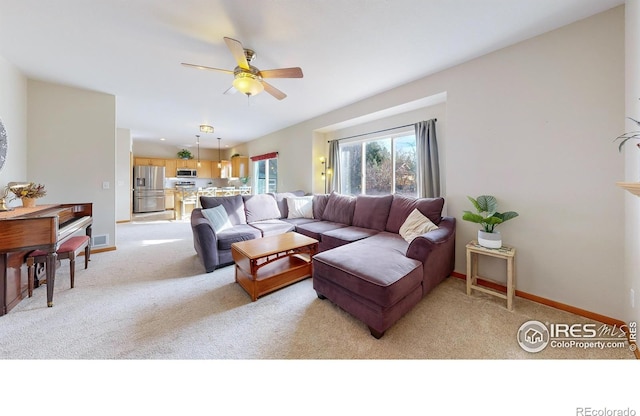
{"x":379,"y":166}
{"x":265,"y":175}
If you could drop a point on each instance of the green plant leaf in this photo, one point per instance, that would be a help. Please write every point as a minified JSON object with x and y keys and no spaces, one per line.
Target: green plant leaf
{"x":506,"y":216}
{"x":475,"y":204}
{"x":472,"y":217}
{"x":488,"y":204}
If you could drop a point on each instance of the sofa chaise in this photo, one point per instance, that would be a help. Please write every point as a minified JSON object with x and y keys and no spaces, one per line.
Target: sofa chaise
{"x":378,"y":256}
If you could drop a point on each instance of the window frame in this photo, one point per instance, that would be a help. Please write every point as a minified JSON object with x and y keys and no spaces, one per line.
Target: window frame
{"x":363,"y":143}
{"x":256,"y":173}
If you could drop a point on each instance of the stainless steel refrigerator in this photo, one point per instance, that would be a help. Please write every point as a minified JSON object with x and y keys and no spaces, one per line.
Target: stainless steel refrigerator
{"x":148,"y":188}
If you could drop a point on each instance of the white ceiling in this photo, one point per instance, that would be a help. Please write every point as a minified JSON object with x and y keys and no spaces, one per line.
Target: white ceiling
{"x":347,"y":49}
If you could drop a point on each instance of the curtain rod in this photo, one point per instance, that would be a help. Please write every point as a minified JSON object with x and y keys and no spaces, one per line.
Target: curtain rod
{"x":375,"y":132}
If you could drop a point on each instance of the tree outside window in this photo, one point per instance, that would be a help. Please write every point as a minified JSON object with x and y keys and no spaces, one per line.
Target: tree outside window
{"x":389,"y":166}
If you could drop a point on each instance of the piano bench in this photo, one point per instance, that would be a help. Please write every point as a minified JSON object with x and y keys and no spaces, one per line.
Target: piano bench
{"x":68,"y":250}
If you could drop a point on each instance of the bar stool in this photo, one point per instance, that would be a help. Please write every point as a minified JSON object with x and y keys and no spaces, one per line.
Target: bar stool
{"x":68,"y":250}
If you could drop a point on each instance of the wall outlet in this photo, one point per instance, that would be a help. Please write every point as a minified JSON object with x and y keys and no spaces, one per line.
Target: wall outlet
{"x":105,"y":185}
{"x":632,"y":294}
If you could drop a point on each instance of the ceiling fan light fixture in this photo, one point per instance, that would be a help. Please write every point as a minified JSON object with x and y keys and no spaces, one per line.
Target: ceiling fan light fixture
{"x":247,"y":84}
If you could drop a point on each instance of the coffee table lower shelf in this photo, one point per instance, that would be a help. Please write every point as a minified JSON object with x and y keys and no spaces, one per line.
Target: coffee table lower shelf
{"x":273,"y":276}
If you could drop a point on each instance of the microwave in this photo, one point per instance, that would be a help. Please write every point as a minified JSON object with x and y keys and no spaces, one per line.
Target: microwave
{"x":186,"y":173}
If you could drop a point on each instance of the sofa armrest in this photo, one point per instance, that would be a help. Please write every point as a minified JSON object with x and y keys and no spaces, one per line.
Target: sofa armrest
{"x":436,"y":251}
{"x":205,"y":241}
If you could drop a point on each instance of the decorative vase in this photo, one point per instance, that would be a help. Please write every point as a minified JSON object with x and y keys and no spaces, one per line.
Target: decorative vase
{"x":28,"y":202}
{"x":489,"y":240}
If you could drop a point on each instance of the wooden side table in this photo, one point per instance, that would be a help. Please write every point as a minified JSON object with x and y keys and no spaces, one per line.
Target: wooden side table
{"x":506,"y":253}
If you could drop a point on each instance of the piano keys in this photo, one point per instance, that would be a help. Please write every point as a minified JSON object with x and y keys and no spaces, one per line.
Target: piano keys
{"x":44,"y":227}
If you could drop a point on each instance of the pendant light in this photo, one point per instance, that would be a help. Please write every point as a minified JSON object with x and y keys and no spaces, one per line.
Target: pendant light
{"x":198,"y":143}
{"x":219,"y":158}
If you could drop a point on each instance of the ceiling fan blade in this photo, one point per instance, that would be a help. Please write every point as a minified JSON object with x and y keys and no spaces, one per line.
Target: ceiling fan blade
{"x":274,"y":91}
{"x":282,"y":73}
{"x":207,"y":67}
{"x":237,"y":50}
{"x":231,"y":90}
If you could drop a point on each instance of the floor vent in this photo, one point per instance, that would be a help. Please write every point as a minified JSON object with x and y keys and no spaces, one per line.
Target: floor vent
{"x":100,"y":240}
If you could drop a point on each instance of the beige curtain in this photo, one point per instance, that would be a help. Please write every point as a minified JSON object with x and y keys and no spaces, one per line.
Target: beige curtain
{"x":428,"y":166}
{"x":334,"y":164}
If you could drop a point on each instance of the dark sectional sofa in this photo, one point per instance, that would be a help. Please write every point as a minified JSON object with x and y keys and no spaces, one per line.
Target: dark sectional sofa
{"x":363,"y":264}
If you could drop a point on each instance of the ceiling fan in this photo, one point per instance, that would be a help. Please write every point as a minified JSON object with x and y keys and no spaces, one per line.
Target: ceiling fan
{"x":248,"y":79}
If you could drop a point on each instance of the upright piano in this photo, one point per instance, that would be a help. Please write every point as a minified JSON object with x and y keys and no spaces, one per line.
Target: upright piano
{"x":44,"y":227}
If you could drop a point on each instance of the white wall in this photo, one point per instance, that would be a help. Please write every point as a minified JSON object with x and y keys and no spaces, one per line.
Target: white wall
{"x":533,"y":125}
{"x":72,"y":149}
{"x":13,"y":113}
{"x":632,"y":159}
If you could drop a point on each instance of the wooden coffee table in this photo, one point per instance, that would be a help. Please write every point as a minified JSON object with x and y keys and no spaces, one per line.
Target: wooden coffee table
{"x":270,"y":263}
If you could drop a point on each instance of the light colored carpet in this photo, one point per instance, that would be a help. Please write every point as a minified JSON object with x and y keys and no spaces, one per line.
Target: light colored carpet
{"x":150,"y":299}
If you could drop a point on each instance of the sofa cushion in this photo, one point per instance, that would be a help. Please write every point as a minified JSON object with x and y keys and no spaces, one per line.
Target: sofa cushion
{"x":402,"y":206}
{"x":386,"y":240}
{"x":281,"y":200}
{"x":272,"y":227}
{"x":362,"y":272}
{"x":345,"y":235}
{"x":241,"y":232}
{"x":300,"y":207}
{"x":415,"y":225}
{"x":339,"y":208}
{"x":260,"y":207}
{"x":232,"y":204}
{"x":372,"y":211}
{"x":299,"y":221}
{"x":218,"y":218}
{"x":316,"y":228}
{"x":319,"y":204}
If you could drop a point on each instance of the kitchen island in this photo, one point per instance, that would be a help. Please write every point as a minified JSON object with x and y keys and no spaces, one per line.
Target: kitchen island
{"x":188,"y":198}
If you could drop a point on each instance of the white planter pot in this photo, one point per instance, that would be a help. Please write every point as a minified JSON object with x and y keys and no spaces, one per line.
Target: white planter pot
{"x":489,"y":240}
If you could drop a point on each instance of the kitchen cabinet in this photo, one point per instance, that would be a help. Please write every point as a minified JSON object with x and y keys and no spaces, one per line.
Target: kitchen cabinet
{"x":204,"y":170}
{"x":169,"y":202}
{"x":148,"y":161}
{"x":186,"y":163}
{"x":239,"y":167}
{"x":224,"y":171}
{"x":170,"y":168}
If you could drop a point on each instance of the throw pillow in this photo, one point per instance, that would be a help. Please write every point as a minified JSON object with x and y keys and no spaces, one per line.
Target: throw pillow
{"x":402,"y":206}
{"x":218,"y":217}
{"x":261,"y":207}
{"x":415,"y":225}
{"x":300,"y":207}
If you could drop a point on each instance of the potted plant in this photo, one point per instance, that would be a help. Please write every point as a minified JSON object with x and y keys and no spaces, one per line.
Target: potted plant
{"x":628,"y":136}
{"x":185,"y":154}
{"x":29,"y":193}
{"x":488,"y":216}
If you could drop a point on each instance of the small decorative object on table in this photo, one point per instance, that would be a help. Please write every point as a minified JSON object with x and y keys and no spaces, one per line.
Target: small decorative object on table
{"x":487,"y":215}
{"x":29,"y":193}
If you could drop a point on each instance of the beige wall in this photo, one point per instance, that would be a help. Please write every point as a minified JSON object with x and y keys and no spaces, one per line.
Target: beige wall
{"x":124,"y":182}
{"x":159,"y":150}
{"x":72,"y":149}
{"x":632,"y":160}
{"x":533,"y":125}
{"x":13,"y":113}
